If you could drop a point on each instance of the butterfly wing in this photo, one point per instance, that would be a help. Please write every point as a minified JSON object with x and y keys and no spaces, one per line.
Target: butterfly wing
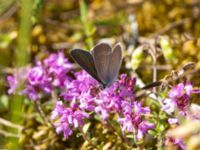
{"x":86,"y":61}
{"x":114,"y":63}
{"x":101,"y":54}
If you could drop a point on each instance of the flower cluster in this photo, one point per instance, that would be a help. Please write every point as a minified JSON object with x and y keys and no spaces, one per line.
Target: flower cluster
{"x":82,"y":90}
{"x":57,"y":67}
{"x":112,"y":98}
{"x":132,"y":120}
{"x":69,"y":117}
{"x":80,"y":95}
{"x":178,"y":102}
{"x":84,"y":95}
{"x":46,"y":75}
{"x":178,"y":98}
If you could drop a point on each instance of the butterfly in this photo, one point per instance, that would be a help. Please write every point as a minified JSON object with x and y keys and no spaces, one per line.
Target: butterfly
{"x":103,"y":63}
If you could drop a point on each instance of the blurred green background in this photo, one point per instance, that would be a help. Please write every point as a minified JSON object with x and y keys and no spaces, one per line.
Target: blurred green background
{"x":31,"y":28}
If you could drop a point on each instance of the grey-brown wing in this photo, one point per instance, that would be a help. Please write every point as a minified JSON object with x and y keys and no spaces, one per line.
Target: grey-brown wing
{"x":114,"y":64}
{"x":85,"y":60}
{"x":101,"y":54}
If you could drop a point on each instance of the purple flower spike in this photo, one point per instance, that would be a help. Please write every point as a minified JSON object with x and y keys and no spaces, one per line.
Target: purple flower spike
{"x":38,"y":81}
{"x":57,"y":67}
{"x":58,"y":111}
{"x":169,"y":106}
{"x":13,"y":84}
{"x":116,"y":98}
{"x":31,"y":93}
{"x":139,"y":109}
{"x":133,"y":119}
{"x":68,"y":118}
{"x":63,"y":127}
{"x":143,"y":127}
{"x":83,"y":89}
{"x":36,"y":75}
{"x":19,"y":76}
{"x":57,"y":63}
{"x":179,"y":97}
{"x":43,"y":78}
{"x":173,"y":121}
{"x":127,"y":123}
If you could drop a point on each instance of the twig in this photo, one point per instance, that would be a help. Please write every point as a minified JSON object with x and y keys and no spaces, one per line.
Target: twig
{"x":54,"y":98}
{"x":8,"y":134}
{"x":48,"y":139}
{"x":140,"y":146}
{"x":42,"y":114}
{"x":170,"y":78}
{"x":10,"y":12}
{"x":62,"y":45}
{"x":159,"y":67}
{"x":10,"y":124}
{"x":152,"y":52}
{"x":48,"y":120}
{"x":143,"y":92}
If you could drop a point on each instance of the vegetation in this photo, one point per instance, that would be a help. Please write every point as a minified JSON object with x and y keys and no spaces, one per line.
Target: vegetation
{"x":48,"y":102}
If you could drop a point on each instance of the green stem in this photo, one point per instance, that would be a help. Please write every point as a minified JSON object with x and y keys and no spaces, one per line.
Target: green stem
{"x":21,"y":59}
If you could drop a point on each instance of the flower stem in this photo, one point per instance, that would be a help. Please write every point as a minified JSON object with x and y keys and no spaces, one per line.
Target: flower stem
{"x":16,"y":114}
{"x":139,"y":146}
{"x":86,"y":138}
{"x":122,"y":136}
{"x":42,"y":114}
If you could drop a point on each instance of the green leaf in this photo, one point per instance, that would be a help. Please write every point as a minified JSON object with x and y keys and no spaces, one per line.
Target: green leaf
{"x":166,"y":48}
{"x":88,"y":27}
{"x":161,"y":127}
{"x":38,"y":4}
{"x":86,"y":127}
{"x":130,"y":136}
{"x":136,"y":58}
{"x":3,"y":102}
{"x":152,"y":132}
{"x":83,"y":11}
{"x":78,"y":135}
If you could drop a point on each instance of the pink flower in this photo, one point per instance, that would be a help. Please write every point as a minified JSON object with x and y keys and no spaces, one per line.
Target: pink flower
{"x":133,"y":120}
{"x":177,"y":142}
{"x":68,"y":118}
{"x":18,"y":77}
{"x":57,"y":66}
{"x":173,"y":121}
{"x":36,"y":75}
{"x":179,"y":97}
{"x":13,"y":84}
{"x":169,"y":106}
